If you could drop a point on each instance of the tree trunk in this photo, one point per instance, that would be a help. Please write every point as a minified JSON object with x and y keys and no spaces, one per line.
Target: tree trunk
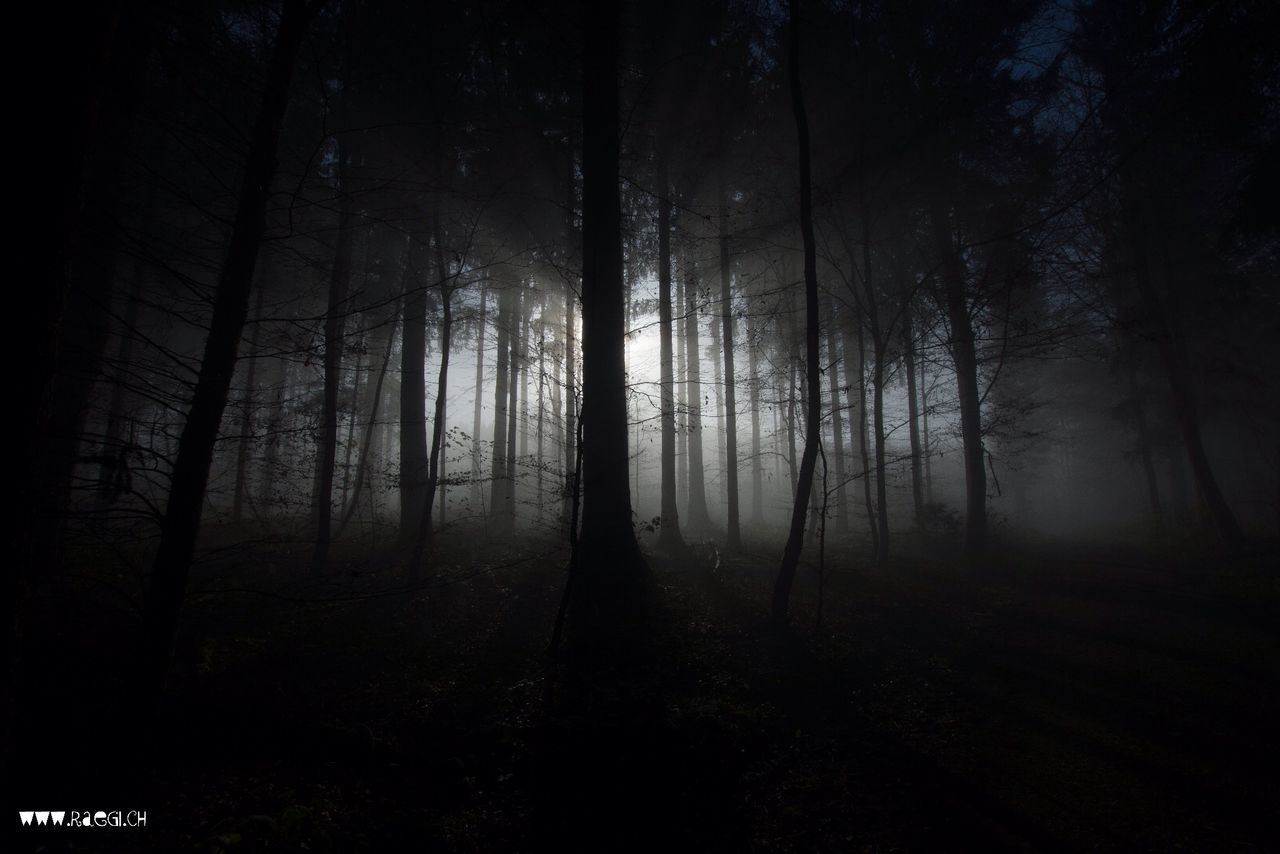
{"x":477,"y":470}
{"x":334,"y":330}
{"x":837,"y":421}
{"x":1184,"y":405}
{"x":733,"y":535}
{"x":795,"y":536}
{"x":699,"y":520}
{"x":514,"y":365}
{"x":422,"y":548}
{"x":366,"y":443}
{"x":964,"y":356}
{"x":913,"y":413}
{"x":669,"y":539}
{"x":684,"y":466}
{"x":200,"y":432}
{"x":610,"y":575}
{"x":757,"y":461}
{"x":498,"y":487}
{"x":413,"y":406}
{"x":878,"y":347}
{"x":717,"y":376}
{"x":863,"y":450}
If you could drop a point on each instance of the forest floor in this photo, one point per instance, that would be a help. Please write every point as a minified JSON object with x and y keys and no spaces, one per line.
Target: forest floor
{"x":1067,"y":700}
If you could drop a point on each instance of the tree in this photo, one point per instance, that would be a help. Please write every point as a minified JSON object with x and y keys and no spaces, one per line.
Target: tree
{"x":195,"y":447}
{"x":609,"y":574}
{"x":808,"y":461}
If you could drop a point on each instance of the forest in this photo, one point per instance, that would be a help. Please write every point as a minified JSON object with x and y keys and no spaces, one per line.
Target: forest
{"x":718,"y":425}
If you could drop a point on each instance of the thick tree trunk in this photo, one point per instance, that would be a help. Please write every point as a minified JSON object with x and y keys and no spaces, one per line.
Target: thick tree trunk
{"x":200,"y":432}
{"x":610,"y":575}
{"x":795,"y":536}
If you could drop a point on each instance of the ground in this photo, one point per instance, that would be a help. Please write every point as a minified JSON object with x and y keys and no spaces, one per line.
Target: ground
{"x":1062,"y":699}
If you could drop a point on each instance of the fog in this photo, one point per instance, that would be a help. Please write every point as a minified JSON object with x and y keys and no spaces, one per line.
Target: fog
{"x":593,"y":425}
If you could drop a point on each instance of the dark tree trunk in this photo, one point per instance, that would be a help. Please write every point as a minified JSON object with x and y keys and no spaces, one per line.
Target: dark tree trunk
{"x":366,"y":442}
{"x":795,"y":536}
{"x":514,"y":365}
{"x":964,"y":355}
{"x":913,"y":413}
{"x":334,"y":331}
{"x":498,"y":487}
{"x":699,"y":520}
{"x":669,"y":538}
{"x":413,"y":406}
{"x":733,"y":535}
{"x":477,"y":470}
{"x":684,"y":466}
{"x":200,"y":432}
{"x":1184,"y":404}
{"x":757,"y":460}
{"x":863,"y":450}
{"x":717,"y":384}
{"x":837,"y":421}
{"x":349,"y":443}
{"x":610,"y":575}
{"x":878,"y":345}
{"x":422,"y":547}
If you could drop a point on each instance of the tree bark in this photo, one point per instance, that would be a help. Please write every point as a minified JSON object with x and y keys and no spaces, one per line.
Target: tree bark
{"x":610,"y":575}
{"x":795,"y":536}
